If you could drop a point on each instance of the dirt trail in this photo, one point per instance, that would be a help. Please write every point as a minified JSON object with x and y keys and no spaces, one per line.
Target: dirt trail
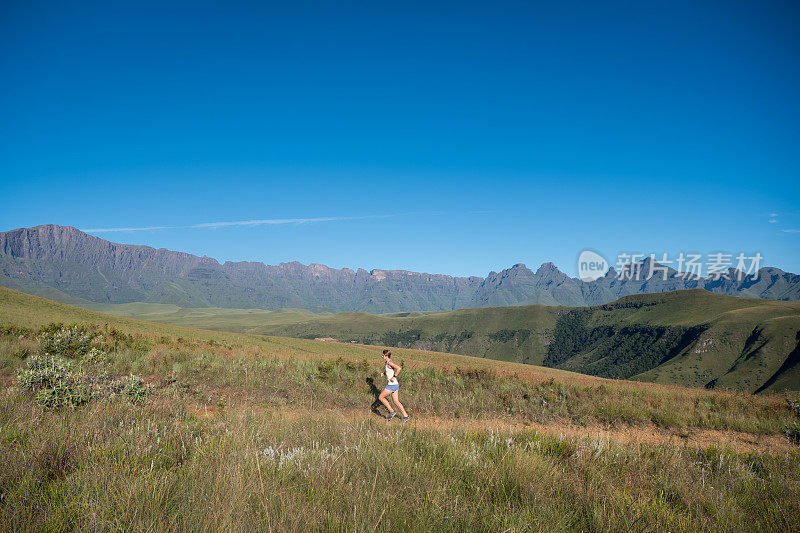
{"x":626,"y":435}
{"x":646,"y":434}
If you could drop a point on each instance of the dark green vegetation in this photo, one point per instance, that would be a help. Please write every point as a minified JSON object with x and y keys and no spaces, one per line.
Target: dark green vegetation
{"x":255,"y":433}
{"x":615,"y":351}
{"x":68,"y":265}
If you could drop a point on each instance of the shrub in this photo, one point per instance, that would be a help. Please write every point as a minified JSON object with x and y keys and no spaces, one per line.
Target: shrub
{"x":44,"y":371}
{"x":133,"y":387}
{"x":54,"y":382}
{"x":22,"y":353}
{"x":9,"y":330}
{"x":68,"y":341}
{"x":115,"y":340}
{"x":401,"y":338}
{"x":504,"y":335}
{"x":325,"y":369}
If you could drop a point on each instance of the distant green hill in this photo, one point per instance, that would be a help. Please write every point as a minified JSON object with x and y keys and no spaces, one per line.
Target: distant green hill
{"x":518,"y":334}
{"x":217,"y":318}
{"x":692,"y":338}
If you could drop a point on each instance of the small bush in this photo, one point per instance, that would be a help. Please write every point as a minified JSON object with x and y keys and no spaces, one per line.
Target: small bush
{"x":325,"y":369}
{"x":57,"y":382}
{"x":44,"y":371}
{"x":68,"y":341}
{"x":133,"y":387}
{"x":8,"y":330}
{"x":53,"y":380}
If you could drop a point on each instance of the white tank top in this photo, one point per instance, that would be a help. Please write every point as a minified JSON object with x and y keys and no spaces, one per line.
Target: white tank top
{"x":389,"y":373}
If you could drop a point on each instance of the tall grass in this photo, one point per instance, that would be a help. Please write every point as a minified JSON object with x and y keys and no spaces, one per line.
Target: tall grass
{"x":115,"y":465}
{"x":208,"y":369}
{"x":238,"y":438}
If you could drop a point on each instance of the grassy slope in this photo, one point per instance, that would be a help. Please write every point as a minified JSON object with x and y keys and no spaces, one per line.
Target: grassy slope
{"x":24,"y":310}
{"x":365,"y":327}
{"x":719,"y":357}
{"x":465,"y":331}
{"x":207,"y":317}
{"x":204,"y":317}
{"x":20,"y":309}
{"x":720,"y":353}
{"x":252,"y":433}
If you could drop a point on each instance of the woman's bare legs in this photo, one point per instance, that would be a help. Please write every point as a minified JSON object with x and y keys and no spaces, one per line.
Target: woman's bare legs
{"x":396,"y":400}
{"x":382,"y":397}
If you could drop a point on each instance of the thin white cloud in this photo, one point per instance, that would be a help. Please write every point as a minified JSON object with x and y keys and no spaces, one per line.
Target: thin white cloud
{"x":791,"y":230}
{"x":106,"y":230}
{"x":773,"y":221}
{"x":773,"y":215}
{"x":278,"y":221}
{"x":213,"y":225}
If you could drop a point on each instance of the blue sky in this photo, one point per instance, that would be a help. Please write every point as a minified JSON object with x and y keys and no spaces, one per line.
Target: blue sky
{"x":448,"y":137}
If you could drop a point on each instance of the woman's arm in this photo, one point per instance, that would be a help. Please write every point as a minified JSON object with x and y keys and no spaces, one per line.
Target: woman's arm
{"x":395,"y":366}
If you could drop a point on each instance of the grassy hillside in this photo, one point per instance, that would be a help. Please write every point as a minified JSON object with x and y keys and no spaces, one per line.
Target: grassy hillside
{"x":228,"y":319}
{"x":693,"y":338}
{"x":501,"y":333}
{"x":246,"y":432}
{"x":717,"y":341}
{"x":505,"y":333}
{"x":208,"y":317}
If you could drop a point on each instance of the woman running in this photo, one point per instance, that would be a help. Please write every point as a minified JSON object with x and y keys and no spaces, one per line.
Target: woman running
{"x":390,"y":370}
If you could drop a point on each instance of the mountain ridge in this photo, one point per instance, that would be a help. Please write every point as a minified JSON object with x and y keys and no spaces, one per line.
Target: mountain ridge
{"x":85,"y":266}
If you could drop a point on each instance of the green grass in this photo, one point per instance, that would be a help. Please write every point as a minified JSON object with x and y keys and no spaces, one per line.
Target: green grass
{"x":262,"y":433}
{"x":207,"y":317}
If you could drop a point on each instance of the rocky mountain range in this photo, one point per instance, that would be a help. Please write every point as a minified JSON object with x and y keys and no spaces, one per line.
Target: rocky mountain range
{"x":62,"y":260}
